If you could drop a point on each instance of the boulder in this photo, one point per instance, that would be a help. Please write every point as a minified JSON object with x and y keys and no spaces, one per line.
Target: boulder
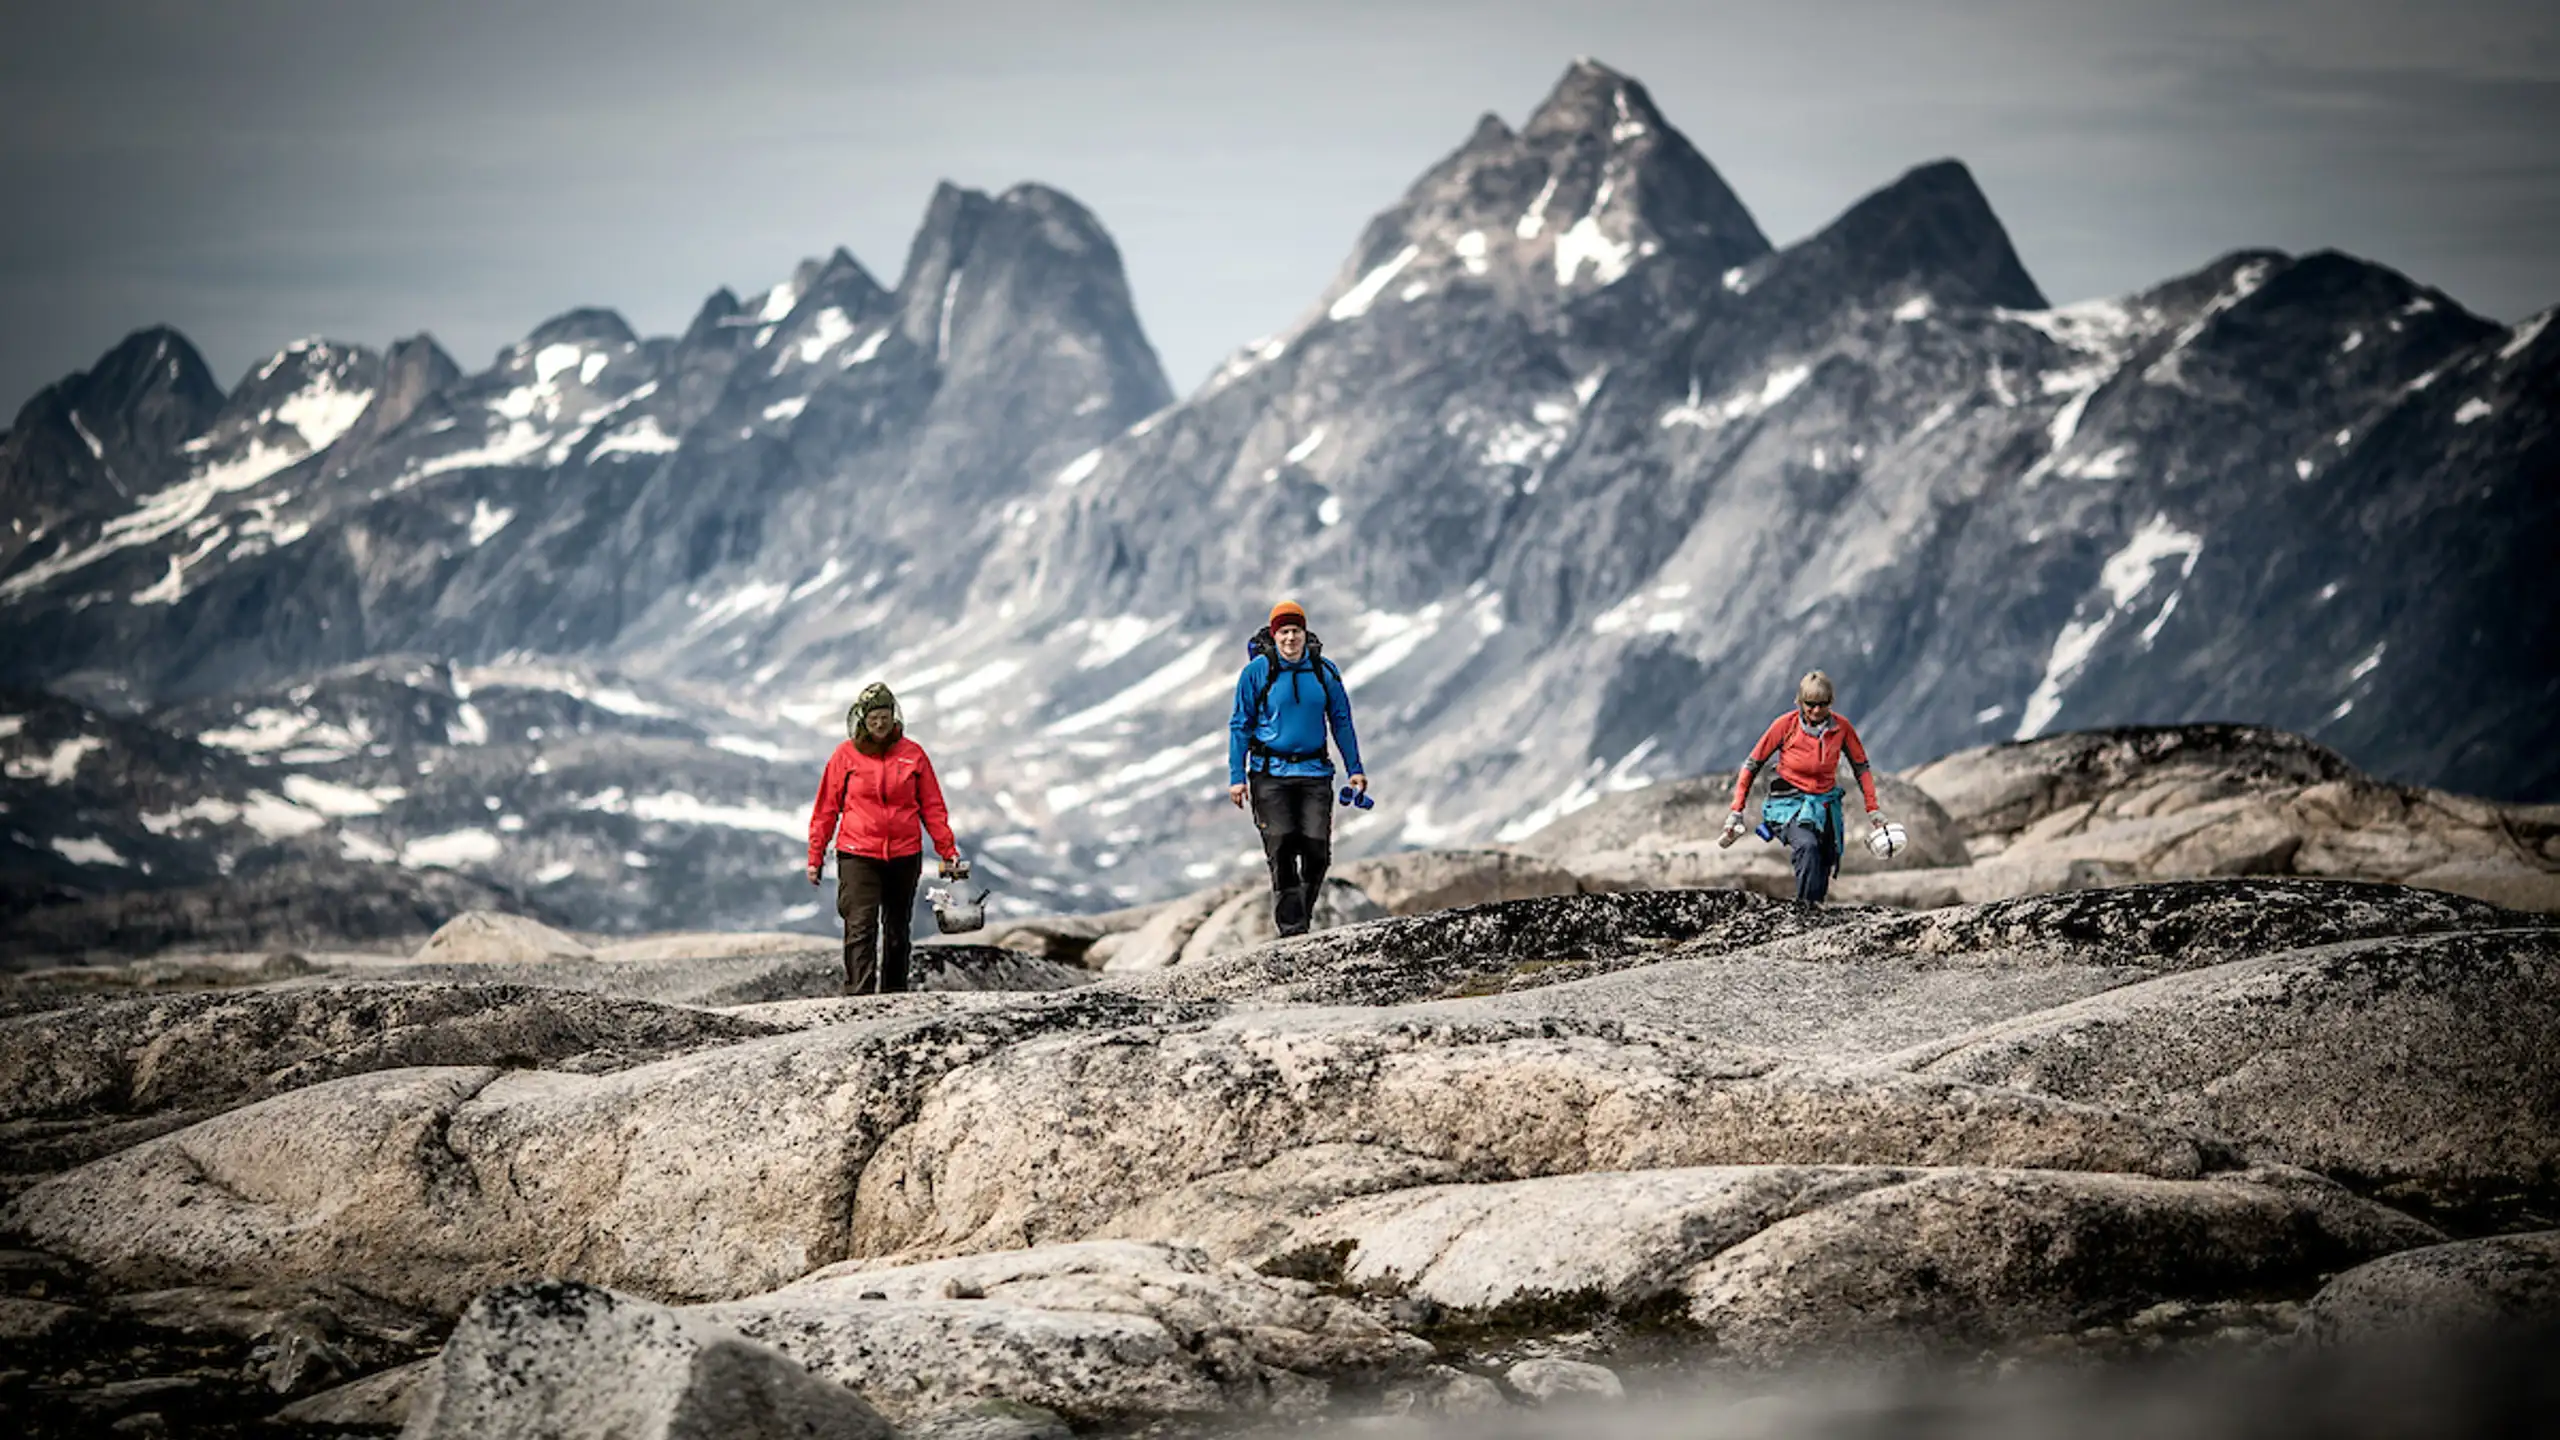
{"x":1950,"y":1262}
{"x":1547,"y":1382}
{"x":481,"y":937}
{"x":1069,"y":939}
{"x":718,"y":1173}
{"x":1102,"y":1333}
{"x":2469,"y":1290}
{"x":2165,"y":802}
{"x":379,"y":1401}
{"x":2421,"y":1065}
{"x":706,"y":945}
{"x":214,"y":1050}
{"x":1412,"y":882}
{"x":556,"y":1360}
{"x":1158,"y":942}
{"x":2006,"y":788}
{"x":1244,"y":920}
{"x":1045,"y":1142}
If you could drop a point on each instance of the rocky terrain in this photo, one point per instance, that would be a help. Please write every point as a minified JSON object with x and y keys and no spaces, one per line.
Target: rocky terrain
{"x":1575,"y":469}
{"x":1495,"y":1140}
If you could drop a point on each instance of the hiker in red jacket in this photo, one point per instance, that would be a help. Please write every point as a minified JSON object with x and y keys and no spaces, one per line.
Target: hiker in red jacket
{"x":878,"y":788}
{"x":1803,"y":807}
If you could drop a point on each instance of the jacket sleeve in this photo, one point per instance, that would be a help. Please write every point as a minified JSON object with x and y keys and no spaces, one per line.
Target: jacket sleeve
{"x":1856,"y":750}
{"x":828,"y":809}
{"x":1760,"y":753}
{"x":1240,"y":724}
{"x":1338,"y":710}
{"x":937,"y":819}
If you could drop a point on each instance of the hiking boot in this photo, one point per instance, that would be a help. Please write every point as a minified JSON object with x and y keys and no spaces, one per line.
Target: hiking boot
{"x":1289,"y":909}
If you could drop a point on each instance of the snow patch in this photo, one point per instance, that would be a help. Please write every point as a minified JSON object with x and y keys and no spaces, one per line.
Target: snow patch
{"x":451,"y":850}
{"x":488,"y":520}
{"x":1081,"y":467}
{"x":57,"y":767}
{"x":1329,"y":512}
{"x":751,"y":748}
{"x":339,"y":801}
{"x":676,"y":807}
{"x":212,"y":809}
{"x":787,"y":409}
{"x":1356,"y":301}
{"x":1108,"y":640}
{"x":276,"y":818}
{"x":2525,"y":335}
{"x":833,"y":328}
{"x":1146,"y":693}
{"x":1534,"y":219}
{"x":640,"y":437}
{"x":1915,"y":308}
{"x":1772,"y":390}
{"x":1388,"y":639}
{"x":88,"y":850}
{"x":1584,"y":241}
{"x":1306,"y":447}
{"x":2472,"y":409}
{"x":2365,"y":666}
{"x":1471,"y":250}
{"x":2125,"y":576}
{"x":978,"y":682}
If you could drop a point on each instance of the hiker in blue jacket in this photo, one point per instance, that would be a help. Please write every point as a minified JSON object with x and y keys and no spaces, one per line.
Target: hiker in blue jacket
{"x":1286,"y":697}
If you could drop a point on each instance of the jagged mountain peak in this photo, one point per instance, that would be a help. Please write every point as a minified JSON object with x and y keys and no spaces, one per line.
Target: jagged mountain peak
{"x":1931,"y":232}
{"x":583,"y":327}
{"x":99,"y":437}
{"x":1592,"y":98}
{"x":1594,"y":186}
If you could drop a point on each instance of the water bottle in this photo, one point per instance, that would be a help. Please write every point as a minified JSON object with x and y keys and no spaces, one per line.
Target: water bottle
{"x":1357,"y":798}
{"x":1764,"y":832}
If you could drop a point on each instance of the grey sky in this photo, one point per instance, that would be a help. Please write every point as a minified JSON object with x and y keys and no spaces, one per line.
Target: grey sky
{"x":258,"y":170}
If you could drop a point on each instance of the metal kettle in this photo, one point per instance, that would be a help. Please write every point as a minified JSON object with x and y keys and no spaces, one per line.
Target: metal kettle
{"x":953,"y":912}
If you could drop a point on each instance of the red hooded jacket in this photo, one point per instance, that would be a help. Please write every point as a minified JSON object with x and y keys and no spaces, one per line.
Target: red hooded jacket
{"x":872,"y":805}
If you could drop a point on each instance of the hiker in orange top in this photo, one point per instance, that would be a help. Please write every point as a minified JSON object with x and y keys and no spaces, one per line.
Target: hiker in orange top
{"x":879,"y":787}
{"x":1803,"y":807}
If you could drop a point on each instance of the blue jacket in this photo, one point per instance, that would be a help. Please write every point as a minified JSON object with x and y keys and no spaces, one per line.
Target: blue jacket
{"x":1292,"y":720}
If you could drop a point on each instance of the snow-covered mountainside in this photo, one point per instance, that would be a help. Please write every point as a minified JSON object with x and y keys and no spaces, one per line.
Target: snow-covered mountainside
{"x":1573,"y":471}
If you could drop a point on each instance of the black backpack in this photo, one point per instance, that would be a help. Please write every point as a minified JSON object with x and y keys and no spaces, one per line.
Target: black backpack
{"x":1260,"y":645}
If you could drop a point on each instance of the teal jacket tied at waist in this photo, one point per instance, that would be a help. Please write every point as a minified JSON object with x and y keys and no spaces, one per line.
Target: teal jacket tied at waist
{"x":1822,"y":811}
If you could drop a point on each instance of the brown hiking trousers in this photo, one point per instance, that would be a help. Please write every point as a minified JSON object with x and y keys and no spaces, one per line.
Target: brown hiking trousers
{"x":877,"y":899}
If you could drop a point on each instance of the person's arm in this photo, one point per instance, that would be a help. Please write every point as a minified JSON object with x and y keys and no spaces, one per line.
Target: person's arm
{"x":825,"y":812}
{"x":1857,"y":753}
{"x":1760,"y":753}
{"x":1240,"y":730}
{"x":937,"y":817}
{"x":1337,"y":711}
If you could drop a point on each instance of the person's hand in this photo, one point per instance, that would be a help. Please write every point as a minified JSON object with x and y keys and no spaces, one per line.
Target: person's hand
{"x":1732,"y":831}
{"x":950,"y":865}
{"x":1875,"y":819}
{"x":1359,"y":783}
{"x":813,"y":873}
{"x":1235,"y":796}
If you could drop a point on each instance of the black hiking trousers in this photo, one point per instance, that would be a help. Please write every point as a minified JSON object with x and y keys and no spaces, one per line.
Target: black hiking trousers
{"x":1295,"y":815}
{"x":877,"y":899}
{"x":1811,"y":851}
